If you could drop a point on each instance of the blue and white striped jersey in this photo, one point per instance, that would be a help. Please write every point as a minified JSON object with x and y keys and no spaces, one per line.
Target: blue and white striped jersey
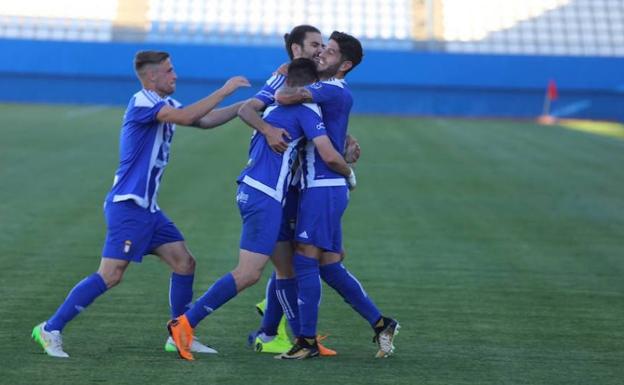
{"x":268,"y":171}
{"x":267,"y":93}
{"x":335,"y":100}
{"x":144,"y":146}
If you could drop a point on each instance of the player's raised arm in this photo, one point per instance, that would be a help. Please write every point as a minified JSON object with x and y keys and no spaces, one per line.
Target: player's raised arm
{"x":293,"y":95}
{"x":353,"y":150}
{"x":188,"y":115}
{"x":218,"y":116}
{"x":276,"y":137}
{"x":249,"y":113}
{"x":334,"y":159}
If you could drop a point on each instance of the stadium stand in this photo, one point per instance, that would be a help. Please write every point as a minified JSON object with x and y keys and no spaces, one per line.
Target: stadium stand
{"x":58,"y":20}
{"x":555,"y":27}
{"x":544,"y":27}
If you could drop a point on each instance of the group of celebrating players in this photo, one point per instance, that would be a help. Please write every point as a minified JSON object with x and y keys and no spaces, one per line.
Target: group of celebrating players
{"x":291,"y":196}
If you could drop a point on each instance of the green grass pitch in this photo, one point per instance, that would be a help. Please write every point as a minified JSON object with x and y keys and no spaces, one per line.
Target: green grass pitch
{"x":498,"y":245}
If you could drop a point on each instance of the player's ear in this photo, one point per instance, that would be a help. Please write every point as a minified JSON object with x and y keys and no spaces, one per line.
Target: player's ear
{"x":150,"y":73}
{"x":154,"y":75}
{"x":346,"y":65}
{"x":146,"y":74}
{"x":296,"y":49}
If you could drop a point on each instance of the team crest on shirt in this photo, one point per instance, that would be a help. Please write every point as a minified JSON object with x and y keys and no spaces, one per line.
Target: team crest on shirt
{"x":127,"y":245}
{"x":316,"y":85}
{"x":320,"y":126}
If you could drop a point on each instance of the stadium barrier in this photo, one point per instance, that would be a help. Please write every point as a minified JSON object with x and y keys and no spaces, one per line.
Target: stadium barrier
{"x":387,"y":82}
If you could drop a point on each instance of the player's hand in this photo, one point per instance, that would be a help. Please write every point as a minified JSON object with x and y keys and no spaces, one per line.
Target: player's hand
{"x":283,"y":69}
{"x":234,"y":83}
{"x":351,"y":182}
{"x":276,"y":138}
{"x":353,"y":152}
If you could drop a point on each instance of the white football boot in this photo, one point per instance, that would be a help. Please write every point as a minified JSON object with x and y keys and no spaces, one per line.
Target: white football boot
{"x":196,"y":347}
{"x":51,"y":342}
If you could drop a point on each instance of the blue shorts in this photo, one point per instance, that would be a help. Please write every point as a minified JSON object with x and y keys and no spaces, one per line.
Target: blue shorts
{"x":262,"y":219}
{"x":319,"y":217}
{"x":289,"y":218}
{"x":132,"y":231}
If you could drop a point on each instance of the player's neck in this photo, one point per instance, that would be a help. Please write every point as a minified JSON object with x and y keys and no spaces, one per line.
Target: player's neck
{"x":152,"y":88}
{"x":336,"y":76}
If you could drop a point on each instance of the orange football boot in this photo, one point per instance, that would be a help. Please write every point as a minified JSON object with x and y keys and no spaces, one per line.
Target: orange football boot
{"x":323,"y":350}
{"x":182,"y":333}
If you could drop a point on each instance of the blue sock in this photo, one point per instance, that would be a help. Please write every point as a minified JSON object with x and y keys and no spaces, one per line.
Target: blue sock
{"x":81,"y":296}
{"x":338,"y":277}
{"x":273,"y":312}
{"x":180,"y":293}
{"x":309,"y":285}
{"x":287,"y":295}
{"x":219,"y":293}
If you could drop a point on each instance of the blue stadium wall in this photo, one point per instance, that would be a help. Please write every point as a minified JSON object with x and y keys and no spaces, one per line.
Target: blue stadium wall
{"x":399,"y":83}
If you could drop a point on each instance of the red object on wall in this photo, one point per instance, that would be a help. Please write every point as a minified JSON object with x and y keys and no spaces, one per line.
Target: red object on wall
{"x":552,"y":92}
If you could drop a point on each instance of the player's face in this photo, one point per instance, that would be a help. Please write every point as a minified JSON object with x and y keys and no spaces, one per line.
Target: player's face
{"x":312,"y":46}
{"x":165,"y":78}
{"x":330,"y":60}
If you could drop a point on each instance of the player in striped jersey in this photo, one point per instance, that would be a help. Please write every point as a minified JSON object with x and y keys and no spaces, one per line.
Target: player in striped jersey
{"x":322,"y":203}
{"x":303,"y":41}
{"x":136,"y":226}
{"x":262,"y":188}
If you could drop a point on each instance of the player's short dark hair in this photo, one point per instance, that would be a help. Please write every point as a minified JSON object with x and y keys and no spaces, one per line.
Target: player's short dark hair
{"x":350,"y":47}
{"x":296,"y":36}
{"x":301,"y":72}
{"x":143,"y":58}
